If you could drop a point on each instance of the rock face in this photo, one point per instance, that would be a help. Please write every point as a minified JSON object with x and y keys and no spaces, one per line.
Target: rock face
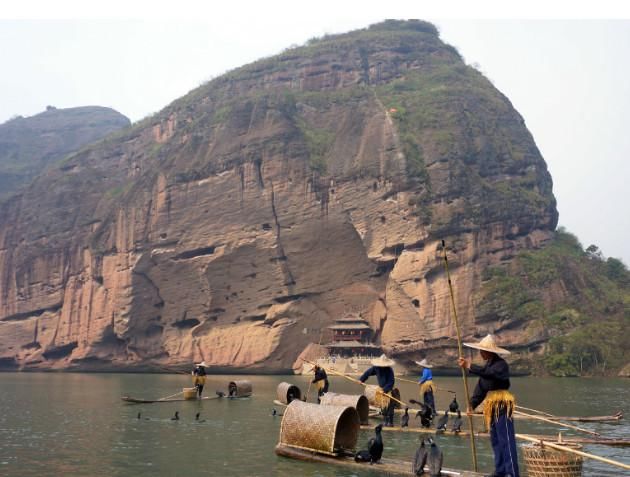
{"x":29,"y":145}
{"x":241,"y":220}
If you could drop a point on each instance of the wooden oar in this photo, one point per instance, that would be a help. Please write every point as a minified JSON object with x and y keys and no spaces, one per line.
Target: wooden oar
{"x":415,"y":382}
{"x":473,"y":448}
{"x":356,"y":381}
{"x":573,"y":451}
{"x":557,"y":423}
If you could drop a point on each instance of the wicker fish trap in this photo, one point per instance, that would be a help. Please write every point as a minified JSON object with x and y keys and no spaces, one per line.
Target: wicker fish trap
{"x":287,"y":392}
{"x":241,"y":388}
{"x":323,"y":429}
{"x":548,"y":462}
{"x":375,"y":396}
{"x":360,"y":403}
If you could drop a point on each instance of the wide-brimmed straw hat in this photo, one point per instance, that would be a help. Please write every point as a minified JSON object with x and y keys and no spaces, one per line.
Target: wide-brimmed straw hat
{"x":424,"y":363}
{"x":383,"y":361}
{"x":203,"y":364}
{"x":488,"y":344}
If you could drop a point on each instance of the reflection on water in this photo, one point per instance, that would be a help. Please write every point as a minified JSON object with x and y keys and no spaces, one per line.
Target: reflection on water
{"x":76,"y":424}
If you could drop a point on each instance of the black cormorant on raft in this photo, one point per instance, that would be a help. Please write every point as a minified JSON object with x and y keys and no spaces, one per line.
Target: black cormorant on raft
{"x":385,"y":466}
{"x":611,"y":419}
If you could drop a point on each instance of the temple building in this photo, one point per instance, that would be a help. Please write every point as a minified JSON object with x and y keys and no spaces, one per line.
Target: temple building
{"x":351,"y":337}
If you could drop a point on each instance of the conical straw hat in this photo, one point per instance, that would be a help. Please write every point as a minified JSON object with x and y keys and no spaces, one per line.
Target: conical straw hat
{"x":383,"y":361}
{"x":488,"y":344}
{"x":202,"y":364}
{"x":424,"y":363}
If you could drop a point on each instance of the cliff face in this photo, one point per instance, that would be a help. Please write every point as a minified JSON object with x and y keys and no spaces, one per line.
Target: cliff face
{"x":29,"y":145}
{"x":240,"y":221}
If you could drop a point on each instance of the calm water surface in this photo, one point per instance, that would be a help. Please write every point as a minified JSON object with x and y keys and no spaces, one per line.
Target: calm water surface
{"x":76,"y":425}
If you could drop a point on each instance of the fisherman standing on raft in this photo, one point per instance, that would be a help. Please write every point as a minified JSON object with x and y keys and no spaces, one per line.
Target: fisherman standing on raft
{"x":492,"y":390}
{"x":199,"y":377}
{"x":426,"y":385}
{"x":320,"y":381}
{"x":382,"y":368}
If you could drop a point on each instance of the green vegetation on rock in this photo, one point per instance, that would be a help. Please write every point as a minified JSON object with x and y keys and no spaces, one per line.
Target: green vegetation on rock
{"x":570,"y":298}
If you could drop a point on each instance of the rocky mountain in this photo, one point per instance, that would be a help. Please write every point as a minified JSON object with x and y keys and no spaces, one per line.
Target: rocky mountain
{"x":241,"y":220}
{"x":29,"y":145}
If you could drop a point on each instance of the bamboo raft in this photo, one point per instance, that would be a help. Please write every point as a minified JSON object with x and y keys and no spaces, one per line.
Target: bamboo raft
{"x":385,"y":466}
{"x":570,"y":440}
{"x":614,"y":418}
{"x":133,"y":400}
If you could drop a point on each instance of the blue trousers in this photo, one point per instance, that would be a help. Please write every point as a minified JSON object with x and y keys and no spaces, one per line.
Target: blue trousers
{"x":429,"y":400}
{"x":504,"y":446}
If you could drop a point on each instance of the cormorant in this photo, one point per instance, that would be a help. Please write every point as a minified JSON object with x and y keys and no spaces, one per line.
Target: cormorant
{"x":220,"y":393}
{"x":454,"y":405}
{"x":456,"y":424}
{"x":175,"y":417}
{"x":138,"y":416}
{"x":419,"y":459}
{"x":197,"y":418}
{"x":434,"y":459}
{"x":442,"y":422}
{"x":374,"y":451}
{"x":424,"y":414}
{"x":404,"y":420}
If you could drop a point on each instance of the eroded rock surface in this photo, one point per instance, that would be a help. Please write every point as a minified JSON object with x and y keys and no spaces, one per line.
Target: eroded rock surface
{"x":240,"y":221}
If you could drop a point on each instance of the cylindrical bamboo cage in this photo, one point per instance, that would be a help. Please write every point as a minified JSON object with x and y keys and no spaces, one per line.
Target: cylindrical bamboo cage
{"x":323,"y":429}
{"x":241,"y":388}
{"x":287,"y":392}
{"x":375,"y":397}
{"x":547,"y":462}
{"x":359,"y":402}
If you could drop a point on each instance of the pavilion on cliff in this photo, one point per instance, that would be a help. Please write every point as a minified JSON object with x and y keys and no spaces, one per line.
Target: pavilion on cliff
{"x":352,"y":336}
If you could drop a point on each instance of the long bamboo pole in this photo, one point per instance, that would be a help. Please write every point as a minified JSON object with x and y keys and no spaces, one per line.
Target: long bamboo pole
{"x":573,"y":451}
{"x":562,"y":424}
{"x":535,"y":410}
{"x":356,"y":381}
{"x":473,"y":447}
{"x":436,"y":387}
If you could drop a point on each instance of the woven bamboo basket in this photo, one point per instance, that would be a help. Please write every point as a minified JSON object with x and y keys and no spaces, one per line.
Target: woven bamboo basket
{"x":548,"y":462}
{"x":323,"y":429}
{"x":285,"y":390}
{"x":360,"y":403}
{"x":190,"y":393}
{"x":375,"y":397}
{"x":242,"y":388}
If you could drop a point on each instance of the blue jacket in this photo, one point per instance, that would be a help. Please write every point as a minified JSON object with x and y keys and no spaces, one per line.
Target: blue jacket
{"x":427,"y":375}
{"x":384,"y":376}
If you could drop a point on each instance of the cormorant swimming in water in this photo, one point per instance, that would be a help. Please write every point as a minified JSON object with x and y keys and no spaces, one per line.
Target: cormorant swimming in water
{"x":442,"y":422}
{"x":419,"y":460}
{"x":454,"y":405}
{"x":197,"y":418}
{"x":175,"y":417}
{"x":374,"y":451}
{"x":404,"y":420}
{"x":434,"y":459}
{"x":138,"y":416}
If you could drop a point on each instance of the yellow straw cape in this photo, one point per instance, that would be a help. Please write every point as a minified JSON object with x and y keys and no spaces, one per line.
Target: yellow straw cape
{"x":426,"y":387}
{"x":495,"y":402}
{"x":199,"y":380}
{"x":320,"y":384}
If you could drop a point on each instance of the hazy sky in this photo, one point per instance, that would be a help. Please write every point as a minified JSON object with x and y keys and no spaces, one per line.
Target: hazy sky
{"x":570,"y":79}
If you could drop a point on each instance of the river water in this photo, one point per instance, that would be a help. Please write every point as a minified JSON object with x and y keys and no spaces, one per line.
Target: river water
{"x":76,"y":425}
